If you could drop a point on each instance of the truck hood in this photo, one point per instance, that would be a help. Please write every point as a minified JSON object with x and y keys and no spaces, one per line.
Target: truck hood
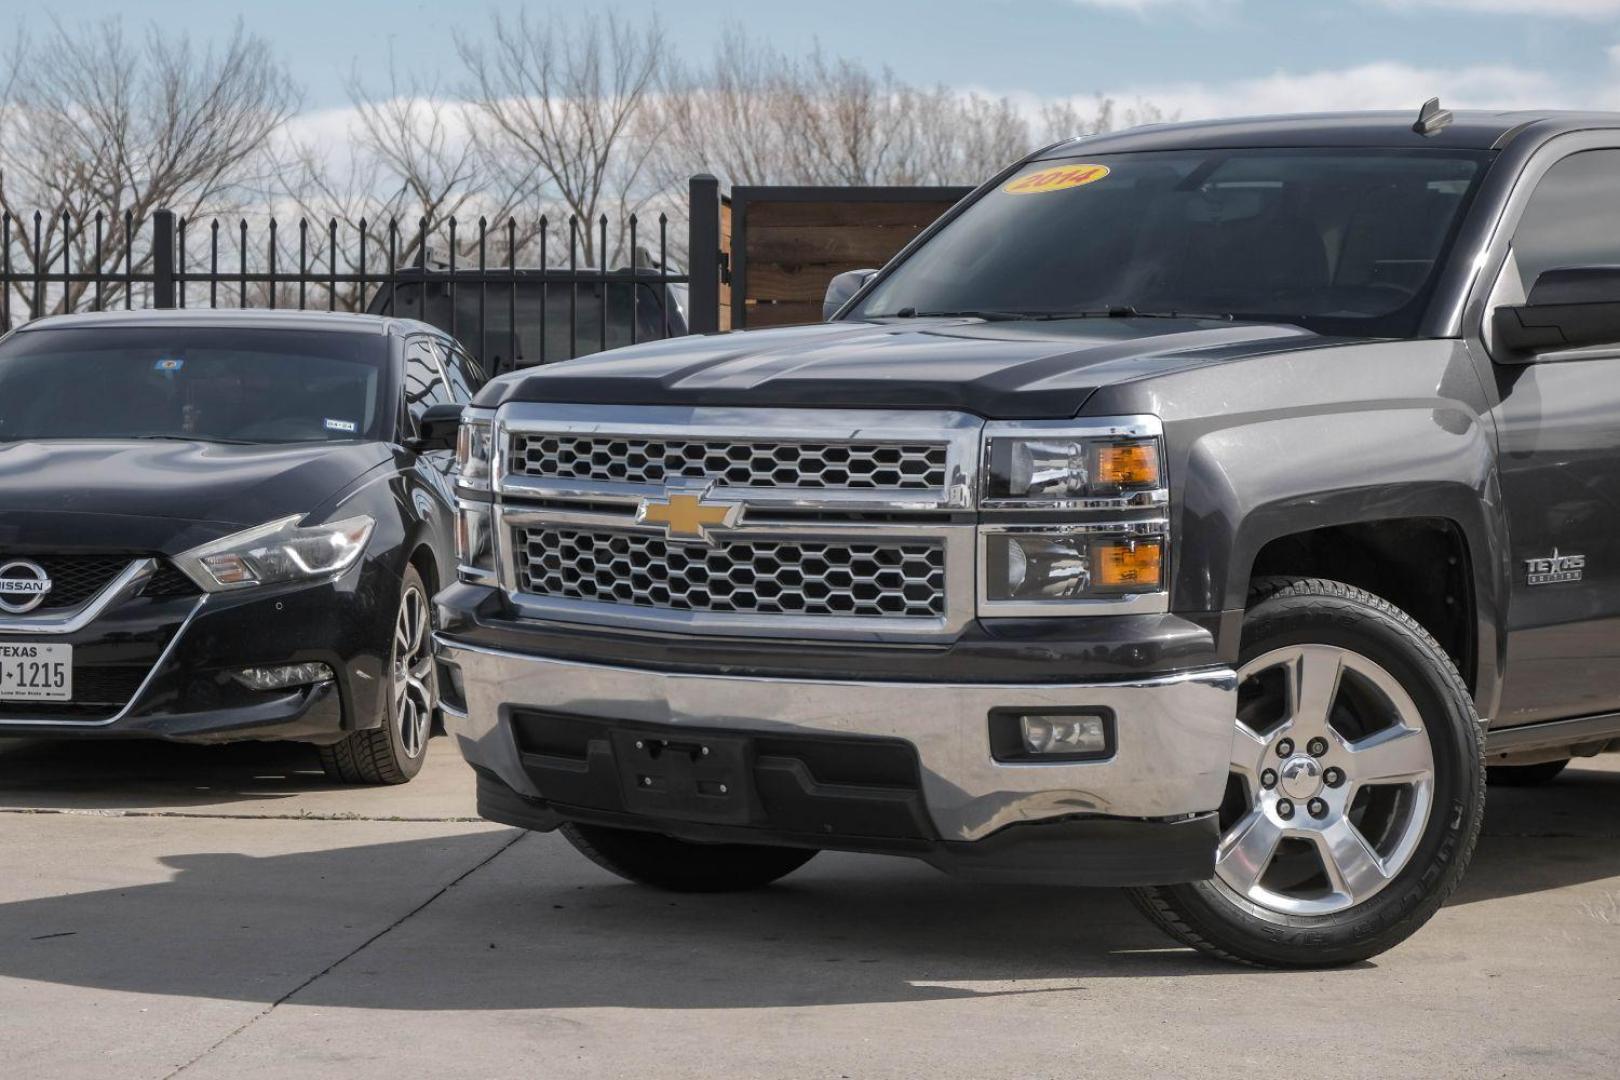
{"x":162,"y":496}
{"x":1005,"y":370}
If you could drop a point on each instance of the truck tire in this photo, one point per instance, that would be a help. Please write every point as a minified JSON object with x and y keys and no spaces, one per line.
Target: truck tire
{"x":1542,"y":772}
{"x":1356,"y":792}
{"x":393,"y":751}
{"x":666,"y":863}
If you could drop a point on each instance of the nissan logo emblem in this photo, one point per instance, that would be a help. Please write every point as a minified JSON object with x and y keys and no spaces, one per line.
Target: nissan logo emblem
{"x":23,"y":585}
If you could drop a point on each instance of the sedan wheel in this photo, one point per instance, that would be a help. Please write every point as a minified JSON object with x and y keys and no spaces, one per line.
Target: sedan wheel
{"x":414,"y":696}
{"x":392,"y":749}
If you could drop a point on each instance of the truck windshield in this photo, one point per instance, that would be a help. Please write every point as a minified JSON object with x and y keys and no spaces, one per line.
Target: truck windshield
{"x":1339,"y":241}
{"x":210,"y":384}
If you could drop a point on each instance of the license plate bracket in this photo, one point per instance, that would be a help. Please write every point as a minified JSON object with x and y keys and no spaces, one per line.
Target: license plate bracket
{"x":692,"y":778}
{"x":30,"y":671}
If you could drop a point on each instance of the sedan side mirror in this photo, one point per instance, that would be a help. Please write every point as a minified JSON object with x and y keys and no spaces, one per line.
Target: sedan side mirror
{"x":437,"y":427}
{"x":1570,"y":308}
{"x":841,"y":288}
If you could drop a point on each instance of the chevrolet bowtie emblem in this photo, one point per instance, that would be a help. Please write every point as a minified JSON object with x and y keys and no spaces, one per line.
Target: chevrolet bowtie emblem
{"x":688,"y":517}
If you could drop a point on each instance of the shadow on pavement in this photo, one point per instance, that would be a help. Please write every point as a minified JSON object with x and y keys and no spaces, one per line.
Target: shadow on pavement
{"x":159,"y":774}
{"x":1539,"y":838}
{"x":539,"y":928}
{"x":142,"y":774}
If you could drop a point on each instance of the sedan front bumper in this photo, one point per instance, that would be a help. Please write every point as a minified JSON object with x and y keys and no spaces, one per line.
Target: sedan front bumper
{"x":163,"y":667}
{"x":1169,"y":765}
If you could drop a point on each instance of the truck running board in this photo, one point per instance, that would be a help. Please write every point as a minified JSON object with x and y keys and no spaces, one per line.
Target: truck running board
{"x":1586,"y":732}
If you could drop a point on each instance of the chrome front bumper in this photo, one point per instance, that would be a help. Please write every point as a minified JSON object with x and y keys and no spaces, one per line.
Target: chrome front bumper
{"x":1174,"y":731}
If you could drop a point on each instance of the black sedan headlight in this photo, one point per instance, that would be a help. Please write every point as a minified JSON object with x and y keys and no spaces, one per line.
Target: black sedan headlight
{"x":277,"y":551}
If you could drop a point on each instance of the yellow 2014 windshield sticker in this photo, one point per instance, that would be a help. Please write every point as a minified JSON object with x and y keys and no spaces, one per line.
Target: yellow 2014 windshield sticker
{"x":1057,"y":178}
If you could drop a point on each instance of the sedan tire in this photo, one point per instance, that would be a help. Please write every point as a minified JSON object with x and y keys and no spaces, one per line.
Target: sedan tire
{"x":393,"y":751}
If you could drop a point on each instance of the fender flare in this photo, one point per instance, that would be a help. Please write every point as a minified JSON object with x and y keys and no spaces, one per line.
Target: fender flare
{"x":1260,"y":479}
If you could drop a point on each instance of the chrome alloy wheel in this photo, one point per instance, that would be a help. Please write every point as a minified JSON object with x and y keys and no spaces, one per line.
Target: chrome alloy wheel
{"x":1332,"y":781}
{"x":412,"y":682}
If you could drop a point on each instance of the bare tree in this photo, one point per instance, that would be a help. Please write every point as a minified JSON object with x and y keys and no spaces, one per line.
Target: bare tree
{"x":725,"y":117}
{"x":755,"y":115}
{"x":560,"y":105}
{"x":97,"y":131}
{"x":1067,"y":119}
{"x":409,"y":177}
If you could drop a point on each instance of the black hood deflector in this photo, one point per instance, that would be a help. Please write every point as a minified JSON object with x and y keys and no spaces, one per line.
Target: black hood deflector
{"x":1000,"y":370}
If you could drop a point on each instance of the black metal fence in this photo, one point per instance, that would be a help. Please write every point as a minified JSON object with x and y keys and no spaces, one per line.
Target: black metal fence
{"x":516,"y":294}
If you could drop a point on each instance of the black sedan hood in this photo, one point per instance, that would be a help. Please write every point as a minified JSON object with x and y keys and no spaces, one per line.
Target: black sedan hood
{"x":1010,"y":370}
{"x":163,"y":496}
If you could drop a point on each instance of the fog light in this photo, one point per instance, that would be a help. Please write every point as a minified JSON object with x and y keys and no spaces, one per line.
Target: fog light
{"x":1064,"y":734}
{"x":1051,"y":734}
{"x":279,"y":678}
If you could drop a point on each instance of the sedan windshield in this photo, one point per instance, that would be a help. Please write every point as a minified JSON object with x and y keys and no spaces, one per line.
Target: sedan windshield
{"x":1340,"y":241}
{"x":211,"y":384}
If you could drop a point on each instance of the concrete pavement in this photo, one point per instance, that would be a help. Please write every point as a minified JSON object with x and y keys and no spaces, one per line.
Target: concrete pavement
{"x":225,"y":913}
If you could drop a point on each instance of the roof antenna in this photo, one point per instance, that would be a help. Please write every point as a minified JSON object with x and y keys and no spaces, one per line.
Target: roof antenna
{"x":1432,"y":119}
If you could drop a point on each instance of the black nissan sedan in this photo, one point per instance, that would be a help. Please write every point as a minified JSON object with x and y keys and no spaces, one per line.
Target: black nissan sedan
{"x":222,"y":525}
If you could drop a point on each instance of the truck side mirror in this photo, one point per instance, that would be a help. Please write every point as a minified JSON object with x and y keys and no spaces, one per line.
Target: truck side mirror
{"x":436,"y":429}
{"x":1569,"y":308}
{"x":841,"y":288}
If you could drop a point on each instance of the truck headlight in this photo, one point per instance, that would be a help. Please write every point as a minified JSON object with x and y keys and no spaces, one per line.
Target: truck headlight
{"x":277,"y":551}
{"x":474,"y":449}
{"x":1057,"y":469}
{"x":1059,"y":563}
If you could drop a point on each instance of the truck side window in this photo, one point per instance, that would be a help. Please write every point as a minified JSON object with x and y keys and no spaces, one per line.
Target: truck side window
{"x":424,"y":378}
{"x":1573,"y":218}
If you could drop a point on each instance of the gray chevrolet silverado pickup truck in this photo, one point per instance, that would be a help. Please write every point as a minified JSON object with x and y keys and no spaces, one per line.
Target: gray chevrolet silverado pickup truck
{"x":1197,"y":509}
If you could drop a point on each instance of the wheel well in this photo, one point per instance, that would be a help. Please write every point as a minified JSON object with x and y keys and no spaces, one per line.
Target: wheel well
{"x":1418,"y":564}
{"x":427,"y":566}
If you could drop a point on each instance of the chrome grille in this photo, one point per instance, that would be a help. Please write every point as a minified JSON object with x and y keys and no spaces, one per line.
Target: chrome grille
{"x":899,"y":466}
{"x":756,"y":576}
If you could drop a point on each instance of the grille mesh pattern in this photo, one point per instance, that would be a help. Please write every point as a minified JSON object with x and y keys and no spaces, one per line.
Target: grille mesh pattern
{"x":74,"y":578}
{"x":747,"y":577}
{"x":168,"y":582}
{"x":890,"y":466}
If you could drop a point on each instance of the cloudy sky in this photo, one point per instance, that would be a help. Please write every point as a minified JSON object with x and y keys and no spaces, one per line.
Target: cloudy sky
{"x":1195,"y":57}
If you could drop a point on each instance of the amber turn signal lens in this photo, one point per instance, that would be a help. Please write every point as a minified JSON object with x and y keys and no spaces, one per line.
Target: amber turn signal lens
{"x":1129,"y":564}
{"x":1128,"y":465}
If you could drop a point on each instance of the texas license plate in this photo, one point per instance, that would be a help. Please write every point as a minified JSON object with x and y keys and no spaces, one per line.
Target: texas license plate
{"x":36,"y":672}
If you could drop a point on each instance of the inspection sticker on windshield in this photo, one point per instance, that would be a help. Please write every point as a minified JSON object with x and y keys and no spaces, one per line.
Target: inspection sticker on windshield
{"x":168,"y":365}
{"x":1057,"y":178}
{"x":340,"y":425}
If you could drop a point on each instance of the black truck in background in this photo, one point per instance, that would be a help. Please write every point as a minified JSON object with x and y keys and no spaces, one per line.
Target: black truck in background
{"x":545,"y":317}
{"x":1197,"y":509}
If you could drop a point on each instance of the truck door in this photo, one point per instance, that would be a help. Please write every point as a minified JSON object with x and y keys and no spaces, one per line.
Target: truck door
{"x":1558,"y":429}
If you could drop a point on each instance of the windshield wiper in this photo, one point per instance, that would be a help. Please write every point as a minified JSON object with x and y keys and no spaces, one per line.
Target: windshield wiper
{"x":1125,"y":311}
{"x":187,"y":438}
{"x":968,"y":313}
{"x":1119,"y":311}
